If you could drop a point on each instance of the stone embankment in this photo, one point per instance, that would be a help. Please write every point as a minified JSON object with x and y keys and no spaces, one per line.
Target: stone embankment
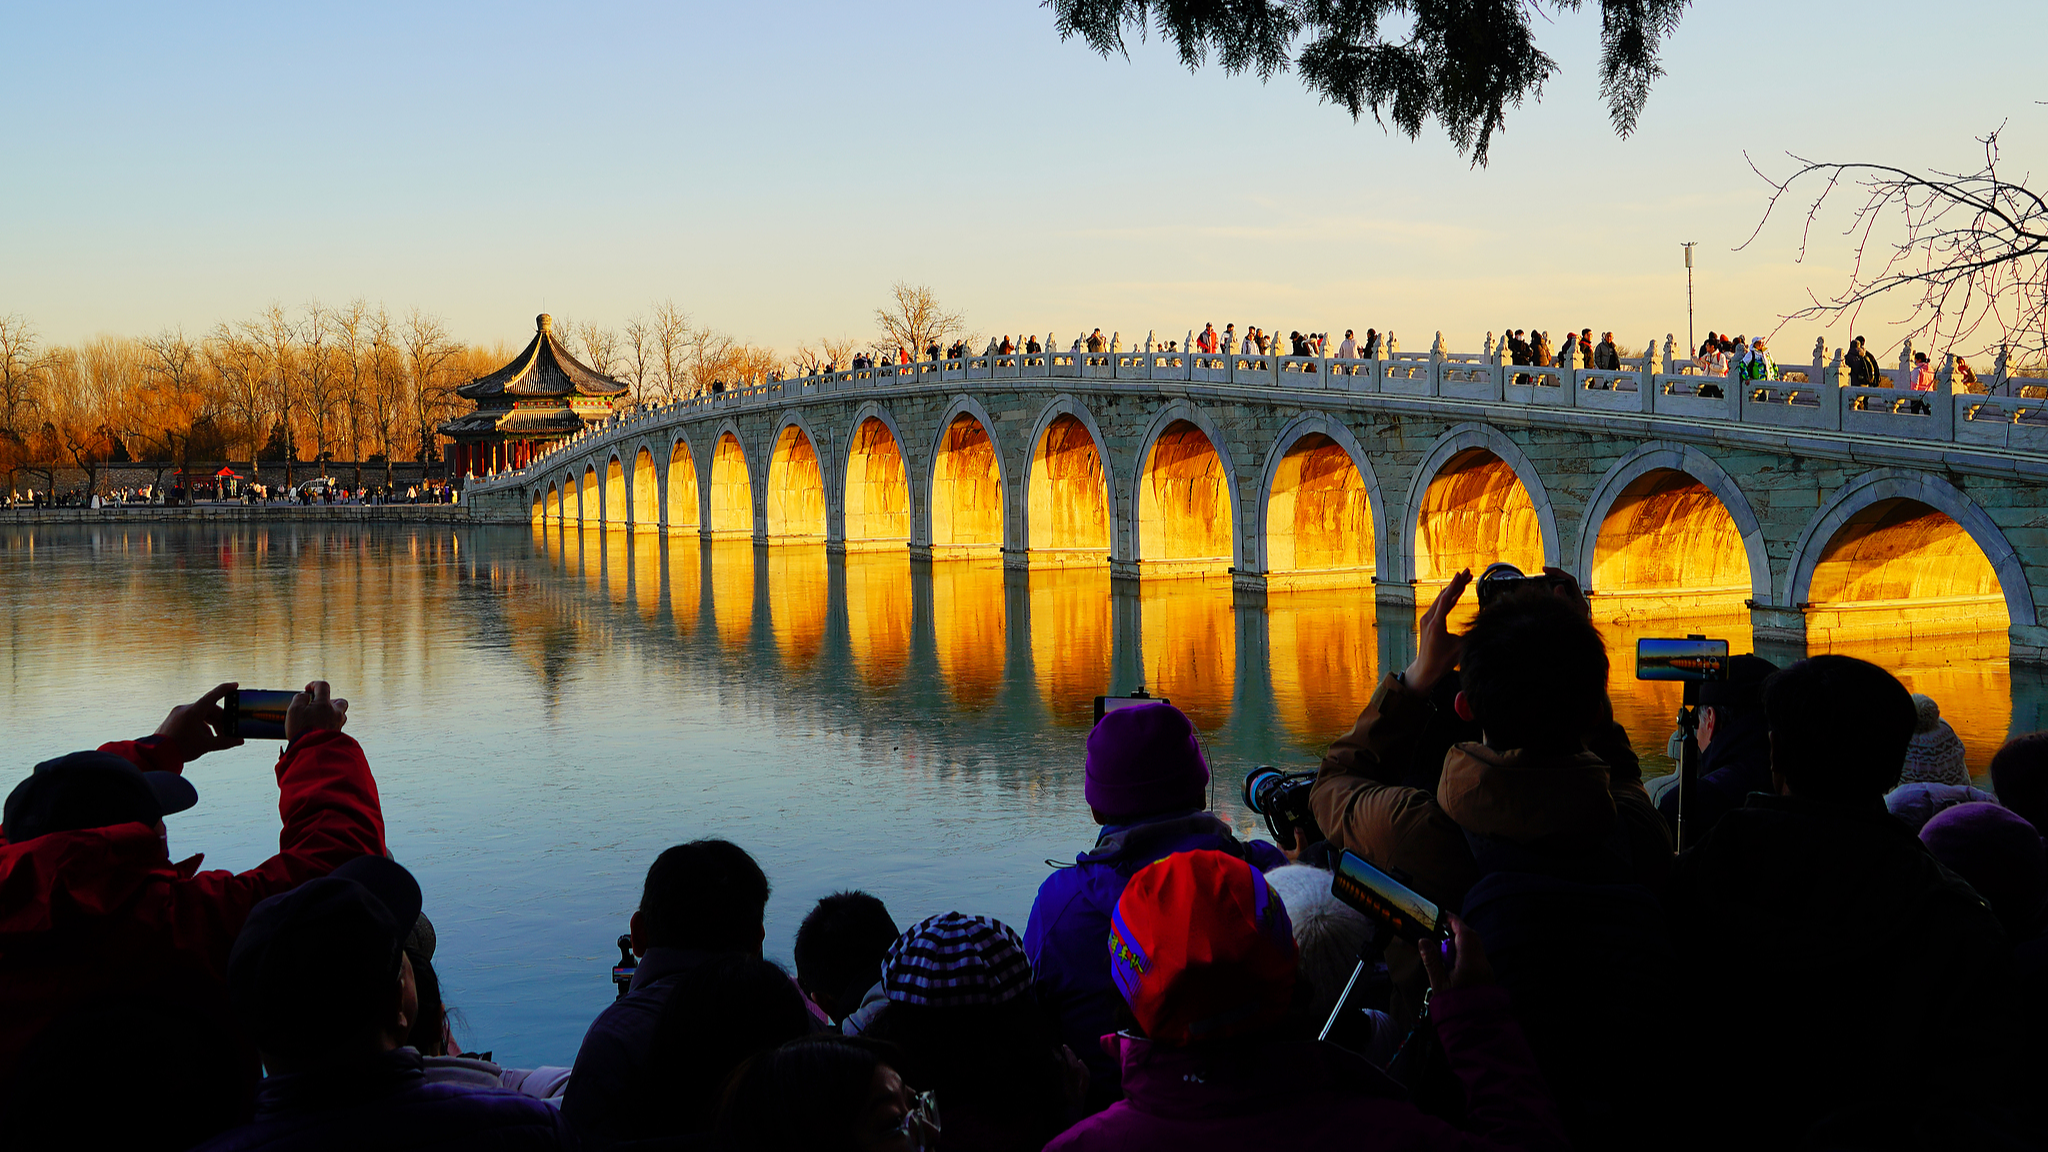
{"x":227,"y":513}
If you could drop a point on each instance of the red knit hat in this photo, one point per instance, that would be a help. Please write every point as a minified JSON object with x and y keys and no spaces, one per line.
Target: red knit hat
{"x":1201,"y":948}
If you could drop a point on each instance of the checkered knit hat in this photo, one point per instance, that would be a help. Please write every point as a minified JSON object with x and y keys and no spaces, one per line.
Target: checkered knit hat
{"x":953,"y":961}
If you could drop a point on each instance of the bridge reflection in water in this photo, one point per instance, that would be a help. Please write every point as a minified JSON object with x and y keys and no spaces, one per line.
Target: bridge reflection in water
{"x":1270,"y":678}
{"x":548,"y":710}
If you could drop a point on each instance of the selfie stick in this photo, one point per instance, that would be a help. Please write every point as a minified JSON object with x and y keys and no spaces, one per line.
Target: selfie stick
{"x":1688,"y":749}
{"x":1337,"y":1013}
{"x":1369,"y":955}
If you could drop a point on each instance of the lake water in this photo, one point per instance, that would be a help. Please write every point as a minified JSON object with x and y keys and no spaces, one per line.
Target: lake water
{"x":545,"y":715}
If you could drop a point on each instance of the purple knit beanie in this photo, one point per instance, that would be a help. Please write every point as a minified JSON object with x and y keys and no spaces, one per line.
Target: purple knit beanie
{"x":1143,"y":760}
{"x":2002,"y":857}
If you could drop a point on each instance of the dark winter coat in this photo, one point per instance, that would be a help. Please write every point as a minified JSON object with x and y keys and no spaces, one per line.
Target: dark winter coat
{"x":1810,"y":935}
{"x":1231,"y":1096}
{"x":387,"y":1104}
{"x":598,"y":1101}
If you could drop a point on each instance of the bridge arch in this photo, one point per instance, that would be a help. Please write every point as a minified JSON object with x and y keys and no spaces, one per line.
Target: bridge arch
{"x":1474,"y":472}
{"x":682,"y":502}
{"x":646,"y":490}
{"x":875,"y":497}
{"x":590,"y":497}
{"x":1070,"y":505}
{"x":968,"y":507}
{"x":614,"y":505}
{"x":572,"y":501}
{"x":1647,"y":477}
{"x":795,"y":505}
{"x":1880,"y":520}
{"x":731,"y":495}
{"x":1185,"y":513}
{"x":1314,"y":514}
{"x":540,"y":507}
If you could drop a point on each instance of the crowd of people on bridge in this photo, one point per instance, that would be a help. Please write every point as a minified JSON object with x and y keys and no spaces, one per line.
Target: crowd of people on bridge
{"x":1848,"y":952}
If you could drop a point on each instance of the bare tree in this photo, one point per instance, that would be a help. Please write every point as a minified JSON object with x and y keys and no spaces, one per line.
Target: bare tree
{"x":318,"y":373}
{"x":428,"y":349}
{"x":386,"y":394}
{"x":915,"y":320}
{"x":352,"y":337}
{"x":274,"y":334}
{"x":710,"y":355}
{"x":170,"y":401}
{"x":88,"y":384}
{"x":597,"y":345}
{"x":826,"y":352}
{"x":669,"y":337}
{"x":23,"y":367}
{"x":1968,"y":251}
{"x":637,"y":360}
{"x":239,"y":366}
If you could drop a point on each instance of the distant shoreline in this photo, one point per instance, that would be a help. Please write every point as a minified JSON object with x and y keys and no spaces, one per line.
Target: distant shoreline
{"x":325,"y":513}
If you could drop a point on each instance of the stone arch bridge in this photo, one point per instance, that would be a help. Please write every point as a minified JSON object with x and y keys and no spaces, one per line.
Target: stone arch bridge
{"x":1827,"y":511}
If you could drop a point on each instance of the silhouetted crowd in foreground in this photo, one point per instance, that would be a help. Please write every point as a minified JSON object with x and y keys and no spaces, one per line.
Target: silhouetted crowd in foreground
{"x":1836,"y":960}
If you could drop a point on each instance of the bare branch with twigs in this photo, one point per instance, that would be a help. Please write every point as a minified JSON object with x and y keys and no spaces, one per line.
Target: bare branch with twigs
{"x":1968,"y":249}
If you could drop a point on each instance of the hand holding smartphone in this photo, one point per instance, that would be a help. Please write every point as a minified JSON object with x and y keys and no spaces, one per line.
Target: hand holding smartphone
{"x":1405,"y":912}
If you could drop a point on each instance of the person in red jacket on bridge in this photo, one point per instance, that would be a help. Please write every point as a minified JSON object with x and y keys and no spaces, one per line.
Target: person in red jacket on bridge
{"x":91,"y":905}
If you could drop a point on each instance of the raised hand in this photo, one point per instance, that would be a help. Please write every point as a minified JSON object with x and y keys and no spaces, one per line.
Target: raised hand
{"x":313,"y":710}
{"x":1436,"y":650}
{"x":1469,"y":965}
{"x":192,"y":730}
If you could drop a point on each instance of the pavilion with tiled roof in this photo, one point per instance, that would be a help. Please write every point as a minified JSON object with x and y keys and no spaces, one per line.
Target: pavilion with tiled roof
{"x":542,"y":396}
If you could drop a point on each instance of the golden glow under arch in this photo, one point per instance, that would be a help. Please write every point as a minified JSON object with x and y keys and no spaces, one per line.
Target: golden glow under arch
{"x":967,"y":493}
{"x":1184,"y":506}
{"x":877,"y":489}
{"x":796,"y":489}
{"x":1067,"y":505}
{"x":1318,"y":519}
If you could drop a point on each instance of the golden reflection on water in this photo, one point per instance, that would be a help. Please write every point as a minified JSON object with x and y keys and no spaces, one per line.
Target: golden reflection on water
{"x":797,"y":601}
{"x":647,"y":556}
{"x":1323,"y":656}
{"x":618,"y":564}
{"x":732,"y":589}
{"x":968,"y":619}
{"x":685,"y":580}
{"x":1071,"y":641}
{"x":1190,"y":646}
{"x":878,"y":615}
{"x":1318,"y":651}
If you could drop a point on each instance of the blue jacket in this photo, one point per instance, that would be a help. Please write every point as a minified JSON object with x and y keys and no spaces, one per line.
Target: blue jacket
{"x":387,"y":1103}
{"x":1067,"y":939}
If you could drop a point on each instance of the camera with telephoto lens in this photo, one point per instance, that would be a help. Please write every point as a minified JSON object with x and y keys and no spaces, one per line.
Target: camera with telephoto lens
{"x":1282,"y":798}
{"x":1503,"y":579}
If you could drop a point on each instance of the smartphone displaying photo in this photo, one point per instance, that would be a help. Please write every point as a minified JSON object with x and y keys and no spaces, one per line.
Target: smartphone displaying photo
{"x":1405,"y":912}
{"x":257,"y":713}
{"x":1681,"y":659}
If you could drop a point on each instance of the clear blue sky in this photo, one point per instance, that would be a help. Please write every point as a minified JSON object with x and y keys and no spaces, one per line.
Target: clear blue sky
{"x":773,"y":167}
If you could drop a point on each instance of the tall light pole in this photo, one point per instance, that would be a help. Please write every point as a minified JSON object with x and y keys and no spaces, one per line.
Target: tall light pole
{"x":1690,"y":341}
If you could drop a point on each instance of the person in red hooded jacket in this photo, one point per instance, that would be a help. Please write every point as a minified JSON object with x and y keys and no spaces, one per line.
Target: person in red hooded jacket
{"x":92,"y":906}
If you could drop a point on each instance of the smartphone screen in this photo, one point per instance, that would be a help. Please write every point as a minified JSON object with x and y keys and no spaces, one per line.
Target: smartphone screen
{"x":1107,"y":704}
{"x":258,"y":714}
{"x":1681,"y":659}
{"x":1403,"y":910}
